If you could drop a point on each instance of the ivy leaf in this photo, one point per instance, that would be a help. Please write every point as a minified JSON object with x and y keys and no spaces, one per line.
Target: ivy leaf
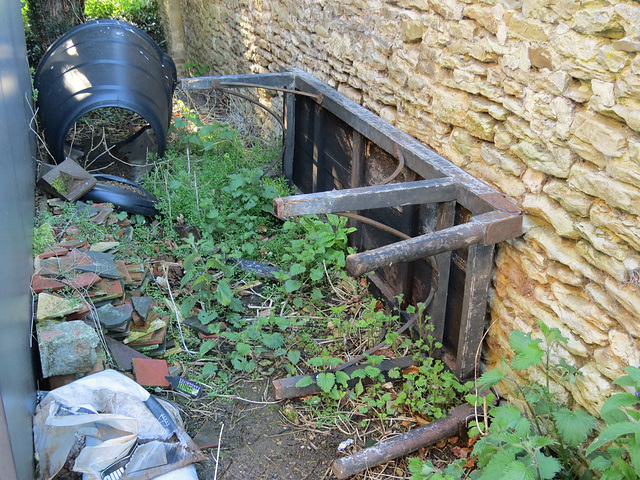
{"x":573,"y":426}
{"x":548,"y":466}
{"x":316,"y":294}
{"x":293,"y":356}
{"x":326,"y":381}
{"x":304,"y":381}
{"x":528,"y":352}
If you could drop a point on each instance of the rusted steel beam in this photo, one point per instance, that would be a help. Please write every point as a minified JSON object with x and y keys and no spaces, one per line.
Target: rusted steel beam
{"x":350,"y":199}
{"x":286,"y":387}
{"x":415,"y":248}
{"x":470,"y":233}
{"x":266,"y":80}
{"x":403,"y":444}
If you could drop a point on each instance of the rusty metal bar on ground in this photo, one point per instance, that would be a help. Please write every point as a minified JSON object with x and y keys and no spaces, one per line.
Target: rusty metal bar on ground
{"x":403,"y":444}
{"x":286,"y":387}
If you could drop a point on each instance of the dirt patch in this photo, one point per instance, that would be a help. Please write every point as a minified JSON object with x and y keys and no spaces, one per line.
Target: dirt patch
{"x":259,"y":444}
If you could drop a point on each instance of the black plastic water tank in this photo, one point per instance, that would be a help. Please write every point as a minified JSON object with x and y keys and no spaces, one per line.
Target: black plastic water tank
{"x":103,"y":63}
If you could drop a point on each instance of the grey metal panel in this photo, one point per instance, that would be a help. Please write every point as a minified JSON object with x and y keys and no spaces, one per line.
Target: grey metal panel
{"x":17,"y":147}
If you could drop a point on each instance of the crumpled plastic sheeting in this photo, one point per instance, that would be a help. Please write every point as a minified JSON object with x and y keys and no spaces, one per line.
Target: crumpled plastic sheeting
{"x":111,"y":412}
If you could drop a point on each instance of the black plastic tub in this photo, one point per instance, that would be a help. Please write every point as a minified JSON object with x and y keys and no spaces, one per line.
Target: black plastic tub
{"x":134,"y":199}
{"x":103,"y":63}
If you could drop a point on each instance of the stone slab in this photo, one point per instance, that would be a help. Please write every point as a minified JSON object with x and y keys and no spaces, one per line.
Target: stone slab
{"x":66,"y":347}
{"x":55,"y":306}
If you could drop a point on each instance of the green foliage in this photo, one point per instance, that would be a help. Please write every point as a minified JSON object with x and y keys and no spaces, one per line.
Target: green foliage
{"x":194,"y":69}
{"x":141,"y":13}
{"x":621,"y":411}
{"x":324,"y":247}
{"x":426,"y":471}
{"x":42,"y":238}
{"x":203,"y":267}
{"x":431,"y":390}
{"x":535,"y":443}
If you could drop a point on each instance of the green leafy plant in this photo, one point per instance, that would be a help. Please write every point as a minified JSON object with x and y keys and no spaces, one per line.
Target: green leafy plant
{"x":621,"y":459}
{"x":539,"y":441}
{"x":430,"y":389}
{"x":42,"y":238}
{"x":333,"y":384}
{"x":426,"y":471}
{"x":195,"y":69}
{"x":204,"y":272}
{"x":323,"y":247}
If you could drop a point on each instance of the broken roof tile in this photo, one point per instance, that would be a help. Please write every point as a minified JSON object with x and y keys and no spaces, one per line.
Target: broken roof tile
{"x":142,"y":305}
{"x":102,"y":263}
{"x":83,"y":281}
{"x":151,"y":372}
{"x":122,"y":354}
{"x":111,"y":317}
{"x":54,"y":252}
{"x":40,"y":284}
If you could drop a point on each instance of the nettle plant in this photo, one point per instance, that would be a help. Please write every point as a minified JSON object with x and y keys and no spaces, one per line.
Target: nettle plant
{"x":323,"y":248}
{"x":546,"y":439}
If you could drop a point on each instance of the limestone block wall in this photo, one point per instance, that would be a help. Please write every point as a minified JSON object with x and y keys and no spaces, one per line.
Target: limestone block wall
{"x":538,"y":98}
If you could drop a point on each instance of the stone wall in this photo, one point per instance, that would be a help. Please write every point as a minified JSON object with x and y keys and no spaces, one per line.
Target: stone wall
{"x":538,"y":98}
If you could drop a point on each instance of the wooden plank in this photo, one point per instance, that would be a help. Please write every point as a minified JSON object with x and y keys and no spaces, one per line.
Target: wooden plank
{"x":437,"y":309}
{"x":318,"y":149}
{"x":350,"y":199}
{"x":477,"y":280}
{"x":289,"y":134}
